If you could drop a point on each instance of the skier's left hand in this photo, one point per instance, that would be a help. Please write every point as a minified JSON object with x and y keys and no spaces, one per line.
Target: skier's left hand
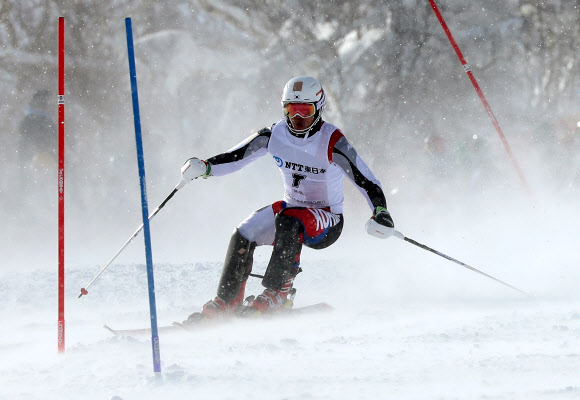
{"x":381,"y":224}
{"x":195,"y":168}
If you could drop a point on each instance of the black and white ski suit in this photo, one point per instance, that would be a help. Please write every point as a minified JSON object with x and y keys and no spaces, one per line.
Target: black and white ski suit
{"x":313,"y":171}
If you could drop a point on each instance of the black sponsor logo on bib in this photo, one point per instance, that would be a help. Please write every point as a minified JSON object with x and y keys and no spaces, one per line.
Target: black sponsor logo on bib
{"x":298,"y":167}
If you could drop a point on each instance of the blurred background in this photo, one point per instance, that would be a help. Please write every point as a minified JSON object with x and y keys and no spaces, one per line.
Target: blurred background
{"x":211,"y":72}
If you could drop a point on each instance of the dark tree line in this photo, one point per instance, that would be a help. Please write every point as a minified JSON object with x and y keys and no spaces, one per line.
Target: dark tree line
{"x":388,"y":69}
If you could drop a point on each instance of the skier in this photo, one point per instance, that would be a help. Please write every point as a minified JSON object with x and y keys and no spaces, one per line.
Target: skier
{"x":313,"y":157}
{"x":37,"y":140}
{"x":37,"y":152}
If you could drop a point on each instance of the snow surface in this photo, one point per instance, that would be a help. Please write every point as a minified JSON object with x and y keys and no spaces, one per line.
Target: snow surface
{"x":407,"y":324}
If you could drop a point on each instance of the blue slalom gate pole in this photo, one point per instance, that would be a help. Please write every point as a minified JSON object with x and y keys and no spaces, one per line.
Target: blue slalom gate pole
{"x":144,"y":207}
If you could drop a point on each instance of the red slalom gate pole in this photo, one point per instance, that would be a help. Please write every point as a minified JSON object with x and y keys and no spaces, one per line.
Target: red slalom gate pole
{"x":486,"y":105}
{"x":61,"y":185}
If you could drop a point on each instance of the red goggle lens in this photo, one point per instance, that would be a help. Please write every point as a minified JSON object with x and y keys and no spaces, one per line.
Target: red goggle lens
{"x":303,"y":109}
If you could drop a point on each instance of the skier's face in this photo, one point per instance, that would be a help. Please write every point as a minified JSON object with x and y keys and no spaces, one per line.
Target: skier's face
{"x":301,"y":123}
{"x":301,"y":115}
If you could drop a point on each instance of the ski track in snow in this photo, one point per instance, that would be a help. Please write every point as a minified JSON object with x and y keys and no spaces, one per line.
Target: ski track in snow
{"x":498,"y":346}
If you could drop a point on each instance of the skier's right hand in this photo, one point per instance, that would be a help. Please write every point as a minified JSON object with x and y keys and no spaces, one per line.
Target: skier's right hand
{"x":195,"y":168}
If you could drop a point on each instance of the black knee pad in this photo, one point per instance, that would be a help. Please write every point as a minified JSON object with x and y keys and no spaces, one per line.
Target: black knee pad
{"x":237,"y":266}
{"x":287,"y":245}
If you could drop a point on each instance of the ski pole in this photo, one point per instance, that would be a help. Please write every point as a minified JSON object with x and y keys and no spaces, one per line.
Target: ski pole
{"x":262,"y":276}
{"x":179,"y":186}
{"x":403,"y":237}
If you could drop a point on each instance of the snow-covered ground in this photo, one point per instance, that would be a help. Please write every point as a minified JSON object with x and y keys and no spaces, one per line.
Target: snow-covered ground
{"x":407,"y":324}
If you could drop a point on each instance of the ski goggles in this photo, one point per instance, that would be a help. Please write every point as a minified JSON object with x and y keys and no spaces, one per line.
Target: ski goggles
{"x":303,"y":109}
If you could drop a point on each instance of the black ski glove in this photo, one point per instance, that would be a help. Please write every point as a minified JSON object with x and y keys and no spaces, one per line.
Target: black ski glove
{"x":381,"y":224}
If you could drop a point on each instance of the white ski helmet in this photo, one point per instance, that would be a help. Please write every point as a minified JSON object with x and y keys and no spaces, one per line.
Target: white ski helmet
{"x":304,"y":90}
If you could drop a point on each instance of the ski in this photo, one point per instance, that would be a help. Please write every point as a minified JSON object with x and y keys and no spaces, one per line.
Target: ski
{"x":206,"y":323}
{"x":139,"y":331}
{"x":313,"y":308}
